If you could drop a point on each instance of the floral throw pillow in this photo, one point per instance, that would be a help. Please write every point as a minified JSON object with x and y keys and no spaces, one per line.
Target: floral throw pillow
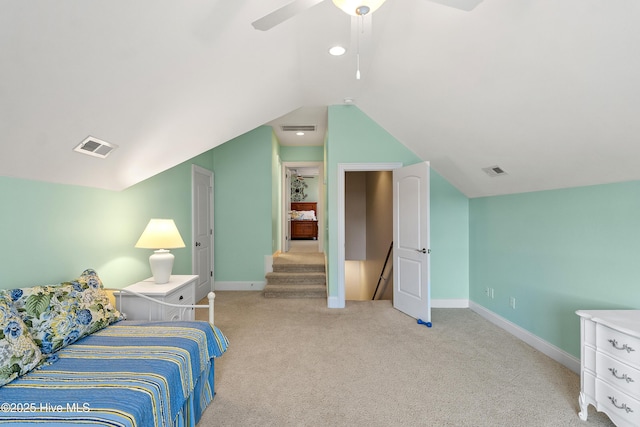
{"x":18,"y":353}
{"x":59,"y":315}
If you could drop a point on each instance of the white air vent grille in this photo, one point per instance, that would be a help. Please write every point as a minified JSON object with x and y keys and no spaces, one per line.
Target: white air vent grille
{"x":95,"y":147}
{"x":298,"y":128}
{"x":494,"y":171}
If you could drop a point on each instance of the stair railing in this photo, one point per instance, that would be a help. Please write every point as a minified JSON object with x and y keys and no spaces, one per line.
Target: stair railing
{"x":381,"y":278}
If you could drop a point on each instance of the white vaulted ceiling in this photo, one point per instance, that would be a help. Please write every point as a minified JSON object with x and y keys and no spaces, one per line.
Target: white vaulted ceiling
{"x":545,"y":89}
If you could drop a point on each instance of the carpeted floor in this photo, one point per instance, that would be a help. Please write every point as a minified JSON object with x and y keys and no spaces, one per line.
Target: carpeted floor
{"x":298,"y":363}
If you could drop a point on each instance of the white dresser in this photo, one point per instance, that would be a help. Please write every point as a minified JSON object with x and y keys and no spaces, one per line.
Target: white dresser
{"x":610,"y":364}
{"x":179,"y":290}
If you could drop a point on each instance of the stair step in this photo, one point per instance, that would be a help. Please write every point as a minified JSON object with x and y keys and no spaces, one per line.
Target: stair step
{"x":295,"y":291}
{"x":296,"y":278}
{"x":283,"y":268}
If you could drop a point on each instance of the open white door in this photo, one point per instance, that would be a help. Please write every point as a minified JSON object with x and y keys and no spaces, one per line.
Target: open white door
{"x":411,"y":293}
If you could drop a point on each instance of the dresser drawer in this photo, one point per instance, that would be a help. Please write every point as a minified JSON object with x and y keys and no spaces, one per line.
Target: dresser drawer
{"x":618,"y":374}
{"x":618,"y":345}
{"x":621,"y":408}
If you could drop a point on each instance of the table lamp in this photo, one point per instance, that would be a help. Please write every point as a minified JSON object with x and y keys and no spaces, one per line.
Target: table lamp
{"x":162,"y":235}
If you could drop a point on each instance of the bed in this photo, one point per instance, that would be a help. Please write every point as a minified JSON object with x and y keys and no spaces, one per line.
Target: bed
{"x":304,"y":222}
{"x":128,"y":373}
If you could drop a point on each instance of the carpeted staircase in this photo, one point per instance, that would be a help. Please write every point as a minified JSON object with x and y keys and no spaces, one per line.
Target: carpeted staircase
{"x":297,"y":275}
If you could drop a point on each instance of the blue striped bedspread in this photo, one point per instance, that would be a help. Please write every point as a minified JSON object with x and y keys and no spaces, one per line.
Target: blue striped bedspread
{"x":128,"y":374}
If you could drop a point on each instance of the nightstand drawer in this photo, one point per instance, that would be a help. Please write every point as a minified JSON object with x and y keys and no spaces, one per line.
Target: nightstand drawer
{"x":183,"y":296}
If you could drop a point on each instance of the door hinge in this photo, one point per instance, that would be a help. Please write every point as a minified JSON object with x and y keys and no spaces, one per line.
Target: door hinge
{"x":211,"y":273}
{"x":211,"y":232}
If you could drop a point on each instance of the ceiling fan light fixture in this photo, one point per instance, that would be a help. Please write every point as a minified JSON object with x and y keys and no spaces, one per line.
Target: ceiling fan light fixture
{"x":358,"y":7}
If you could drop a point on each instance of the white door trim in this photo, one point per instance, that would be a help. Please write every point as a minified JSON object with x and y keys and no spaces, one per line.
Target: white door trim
{"x":285,"y":199}
{"x":343,"y":168}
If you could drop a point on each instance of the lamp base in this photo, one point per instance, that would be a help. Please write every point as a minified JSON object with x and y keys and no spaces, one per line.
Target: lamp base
{"x":161,"y":262}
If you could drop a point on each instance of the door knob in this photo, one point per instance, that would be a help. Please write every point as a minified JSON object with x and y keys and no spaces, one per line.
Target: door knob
{"x":423,"y":250}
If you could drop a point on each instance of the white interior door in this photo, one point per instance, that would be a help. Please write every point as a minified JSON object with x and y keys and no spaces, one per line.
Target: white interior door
{"x":202,"y":254}
{"x":411,"y":293}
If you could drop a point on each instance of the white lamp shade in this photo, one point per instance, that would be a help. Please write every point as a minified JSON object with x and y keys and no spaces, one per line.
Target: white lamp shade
{"x":350,"y":6}
{"x":161,"y":234}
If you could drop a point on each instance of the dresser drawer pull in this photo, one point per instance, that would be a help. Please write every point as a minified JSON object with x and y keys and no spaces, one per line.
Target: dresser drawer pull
{"x":623,"y":406}
{"x":614,"y":343}
{"x":625,"y":377}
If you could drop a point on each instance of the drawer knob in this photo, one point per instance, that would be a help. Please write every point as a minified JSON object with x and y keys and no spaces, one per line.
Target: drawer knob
{"x":181,"y":298}
{"x":625,"y":377}
{"x":615,"y":345}
{"x":623,"y":406}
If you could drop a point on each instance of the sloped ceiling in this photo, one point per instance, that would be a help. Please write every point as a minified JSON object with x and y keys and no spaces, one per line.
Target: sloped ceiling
{"x":545,"y":89}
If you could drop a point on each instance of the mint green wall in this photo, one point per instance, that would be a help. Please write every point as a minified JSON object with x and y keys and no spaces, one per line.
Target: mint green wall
{"x":312,"y":190}
{"x":449,"y":240}
{"x":242,"y":200}
{"x":557,"y":252}
{"x":52,"y":232}
{"x":354,"y":138}
{"x":301,"y":154}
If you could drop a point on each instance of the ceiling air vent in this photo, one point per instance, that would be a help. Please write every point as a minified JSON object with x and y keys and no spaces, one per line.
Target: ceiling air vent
{"x":494,"y":171}
{"x":95,"y":147}
{"x":298,"y":128}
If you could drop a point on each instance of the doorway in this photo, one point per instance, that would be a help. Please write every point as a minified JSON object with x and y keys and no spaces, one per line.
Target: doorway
{"x":368,"y":235}
{"x":411,"y":272}
{"x":307,"y":181}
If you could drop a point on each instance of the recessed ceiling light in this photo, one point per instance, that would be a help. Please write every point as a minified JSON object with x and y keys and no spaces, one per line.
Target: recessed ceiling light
{"x":337,"y":50}
{"x":299,"y":133}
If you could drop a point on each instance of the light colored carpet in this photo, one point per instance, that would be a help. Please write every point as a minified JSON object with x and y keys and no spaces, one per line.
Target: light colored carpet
{"x":294,"y":362}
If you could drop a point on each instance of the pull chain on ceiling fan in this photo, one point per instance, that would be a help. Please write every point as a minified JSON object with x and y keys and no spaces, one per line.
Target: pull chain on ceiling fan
{"x":357,"y":8}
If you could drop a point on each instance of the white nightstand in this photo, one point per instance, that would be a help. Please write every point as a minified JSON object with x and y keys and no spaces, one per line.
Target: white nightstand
{"x":179,"y":290}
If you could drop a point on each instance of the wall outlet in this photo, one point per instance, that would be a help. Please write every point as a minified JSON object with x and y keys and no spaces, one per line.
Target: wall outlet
{"x":512,"y":302}
{"x":491,"y":290}
{"x":487,"y":292}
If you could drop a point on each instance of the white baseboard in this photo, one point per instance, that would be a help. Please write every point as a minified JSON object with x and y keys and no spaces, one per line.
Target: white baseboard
{"x":534,"y":341}
{"x":268,"y":264}
{"x":450,"y":303}
{"x":239,"y":286}
{"x":332,"y":302}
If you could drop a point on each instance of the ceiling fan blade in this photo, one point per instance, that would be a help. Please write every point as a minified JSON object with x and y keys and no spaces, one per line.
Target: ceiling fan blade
{"x":466,"y":5}
{"x":278,"y":16}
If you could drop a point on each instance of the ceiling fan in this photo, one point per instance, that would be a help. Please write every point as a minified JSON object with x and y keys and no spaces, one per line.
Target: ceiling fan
{"x":352,"y":7}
